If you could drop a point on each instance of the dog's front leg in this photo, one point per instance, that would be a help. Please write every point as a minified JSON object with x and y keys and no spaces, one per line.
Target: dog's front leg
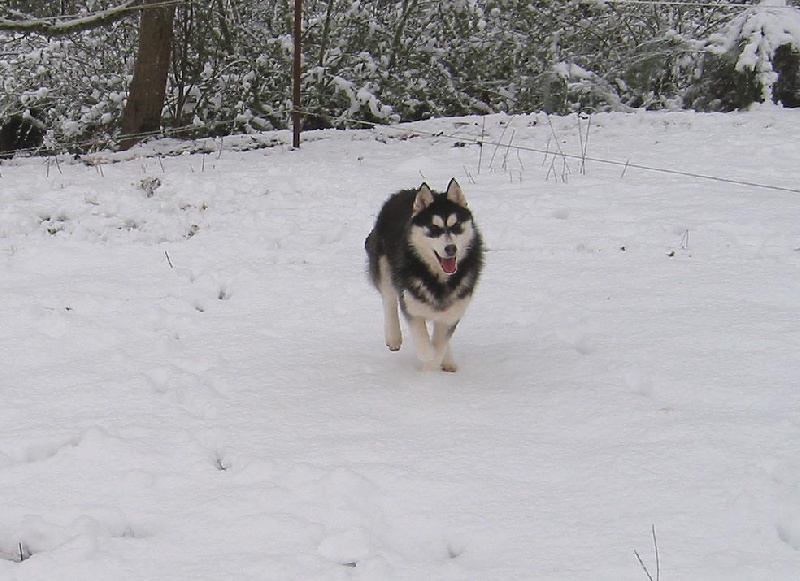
{"x":441,"y":342}
{"x":391,"y":321}
{"x":426,"y":352}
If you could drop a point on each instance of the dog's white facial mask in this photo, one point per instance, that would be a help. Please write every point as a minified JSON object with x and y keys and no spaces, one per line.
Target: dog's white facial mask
{"x":446,"y":238}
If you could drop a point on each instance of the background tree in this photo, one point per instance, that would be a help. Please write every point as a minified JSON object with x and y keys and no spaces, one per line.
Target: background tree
{"x":148,"y":88}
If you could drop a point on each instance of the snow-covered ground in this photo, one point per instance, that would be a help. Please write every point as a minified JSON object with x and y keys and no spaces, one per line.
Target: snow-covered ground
{"x":194,"y":385}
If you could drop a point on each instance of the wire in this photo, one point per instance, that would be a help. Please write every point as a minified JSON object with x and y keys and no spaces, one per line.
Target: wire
{"x":625,"y":164}
{"x":406,"y":128}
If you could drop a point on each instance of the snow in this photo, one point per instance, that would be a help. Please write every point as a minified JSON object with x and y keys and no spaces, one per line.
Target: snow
{"x":195,"y":386}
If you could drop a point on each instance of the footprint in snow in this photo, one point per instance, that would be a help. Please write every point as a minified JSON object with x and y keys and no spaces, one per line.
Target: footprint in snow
{"x":195,"y":395}
{"x":789,"y":531}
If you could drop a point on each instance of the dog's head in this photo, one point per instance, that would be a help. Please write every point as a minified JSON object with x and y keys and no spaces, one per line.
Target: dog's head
{"x":442,"y":230}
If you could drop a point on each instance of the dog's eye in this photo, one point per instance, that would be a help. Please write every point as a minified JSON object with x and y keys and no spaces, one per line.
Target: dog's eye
{"x":435,"y":231}
{"x":457,"y":228}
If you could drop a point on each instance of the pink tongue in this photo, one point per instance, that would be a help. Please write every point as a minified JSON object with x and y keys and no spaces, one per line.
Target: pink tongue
{"x":449,"y":265}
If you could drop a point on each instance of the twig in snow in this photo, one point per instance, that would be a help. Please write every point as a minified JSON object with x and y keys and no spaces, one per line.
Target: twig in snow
{"x":584,"y":142}
{"x":500,"y":141}
{"x":685,"y":240}
{"x":658,"y":565}
{"x":546,"y":152}
{"x":508,"y":150}
{"x":480,"y":145}
{"x":565,"y":171}
{"x":168,"y":259}
{"x":469,"y":175}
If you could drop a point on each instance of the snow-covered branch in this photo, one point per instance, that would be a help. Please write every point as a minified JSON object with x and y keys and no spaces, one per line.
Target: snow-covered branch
{"x":60,"y":27}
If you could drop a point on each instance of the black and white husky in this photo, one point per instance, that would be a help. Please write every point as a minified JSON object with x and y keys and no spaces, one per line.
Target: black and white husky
{"x":425,"y":253}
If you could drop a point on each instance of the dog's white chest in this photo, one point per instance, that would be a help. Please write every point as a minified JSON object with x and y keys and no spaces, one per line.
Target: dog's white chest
{"x":451,"y":315}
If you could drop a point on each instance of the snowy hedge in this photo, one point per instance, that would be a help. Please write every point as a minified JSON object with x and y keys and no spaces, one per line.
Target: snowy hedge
{"x":384,"y":61}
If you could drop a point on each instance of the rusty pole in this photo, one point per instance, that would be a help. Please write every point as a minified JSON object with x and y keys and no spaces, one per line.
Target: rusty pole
{"x":296,"y":95}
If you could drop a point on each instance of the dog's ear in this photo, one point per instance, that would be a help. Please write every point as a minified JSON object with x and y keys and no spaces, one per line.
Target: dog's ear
{"x":424,"y":198}
{"x":454,"y":193}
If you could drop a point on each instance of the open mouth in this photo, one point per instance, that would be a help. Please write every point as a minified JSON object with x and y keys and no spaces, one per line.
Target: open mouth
{"x":449,"y":265}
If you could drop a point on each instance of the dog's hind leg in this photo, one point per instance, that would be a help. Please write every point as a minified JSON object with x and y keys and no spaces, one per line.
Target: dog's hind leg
{"x":391,"y":318}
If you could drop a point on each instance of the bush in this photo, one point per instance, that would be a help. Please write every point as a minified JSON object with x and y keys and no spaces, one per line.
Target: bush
{"x":753,"y":59}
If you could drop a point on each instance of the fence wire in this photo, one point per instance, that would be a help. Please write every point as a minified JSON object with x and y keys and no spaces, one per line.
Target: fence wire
{"x":480,"y":141}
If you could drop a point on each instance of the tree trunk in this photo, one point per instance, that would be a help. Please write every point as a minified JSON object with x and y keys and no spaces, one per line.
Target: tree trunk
{"x":148,"y":88}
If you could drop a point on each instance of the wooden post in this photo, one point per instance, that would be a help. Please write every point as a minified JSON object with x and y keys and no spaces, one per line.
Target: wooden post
{"x":296,"y":96}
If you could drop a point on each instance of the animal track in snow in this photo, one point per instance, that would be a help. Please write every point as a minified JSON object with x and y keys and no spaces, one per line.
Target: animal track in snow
{"x":785,"y":473}
{"x":45,"y":449}
{"x":189,"y":390}
{"x":42,"y":450}
{"x":35,"y":534}
{"x":346,"y":547}
{"x":789,"y":531}
{"x":365,"y":526}
{"x":577,"y":339}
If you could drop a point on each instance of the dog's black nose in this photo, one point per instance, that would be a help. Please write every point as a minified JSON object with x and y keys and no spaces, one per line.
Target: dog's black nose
{"x":450,"y":250}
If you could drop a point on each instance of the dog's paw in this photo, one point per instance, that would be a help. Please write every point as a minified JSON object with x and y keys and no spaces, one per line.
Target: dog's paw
{"x":434,"y":365}
{"x":394,"y":337}
{"x":449,"y":367}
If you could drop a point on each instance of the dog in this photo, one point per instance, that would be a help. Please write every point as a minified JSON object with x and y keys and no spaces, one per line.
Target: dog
{"x":425,"y":253}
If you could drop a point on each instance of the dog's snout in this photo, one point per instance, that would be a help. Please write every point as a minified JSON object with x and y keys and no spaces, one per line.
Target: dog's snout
{"x":450,"y":250}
